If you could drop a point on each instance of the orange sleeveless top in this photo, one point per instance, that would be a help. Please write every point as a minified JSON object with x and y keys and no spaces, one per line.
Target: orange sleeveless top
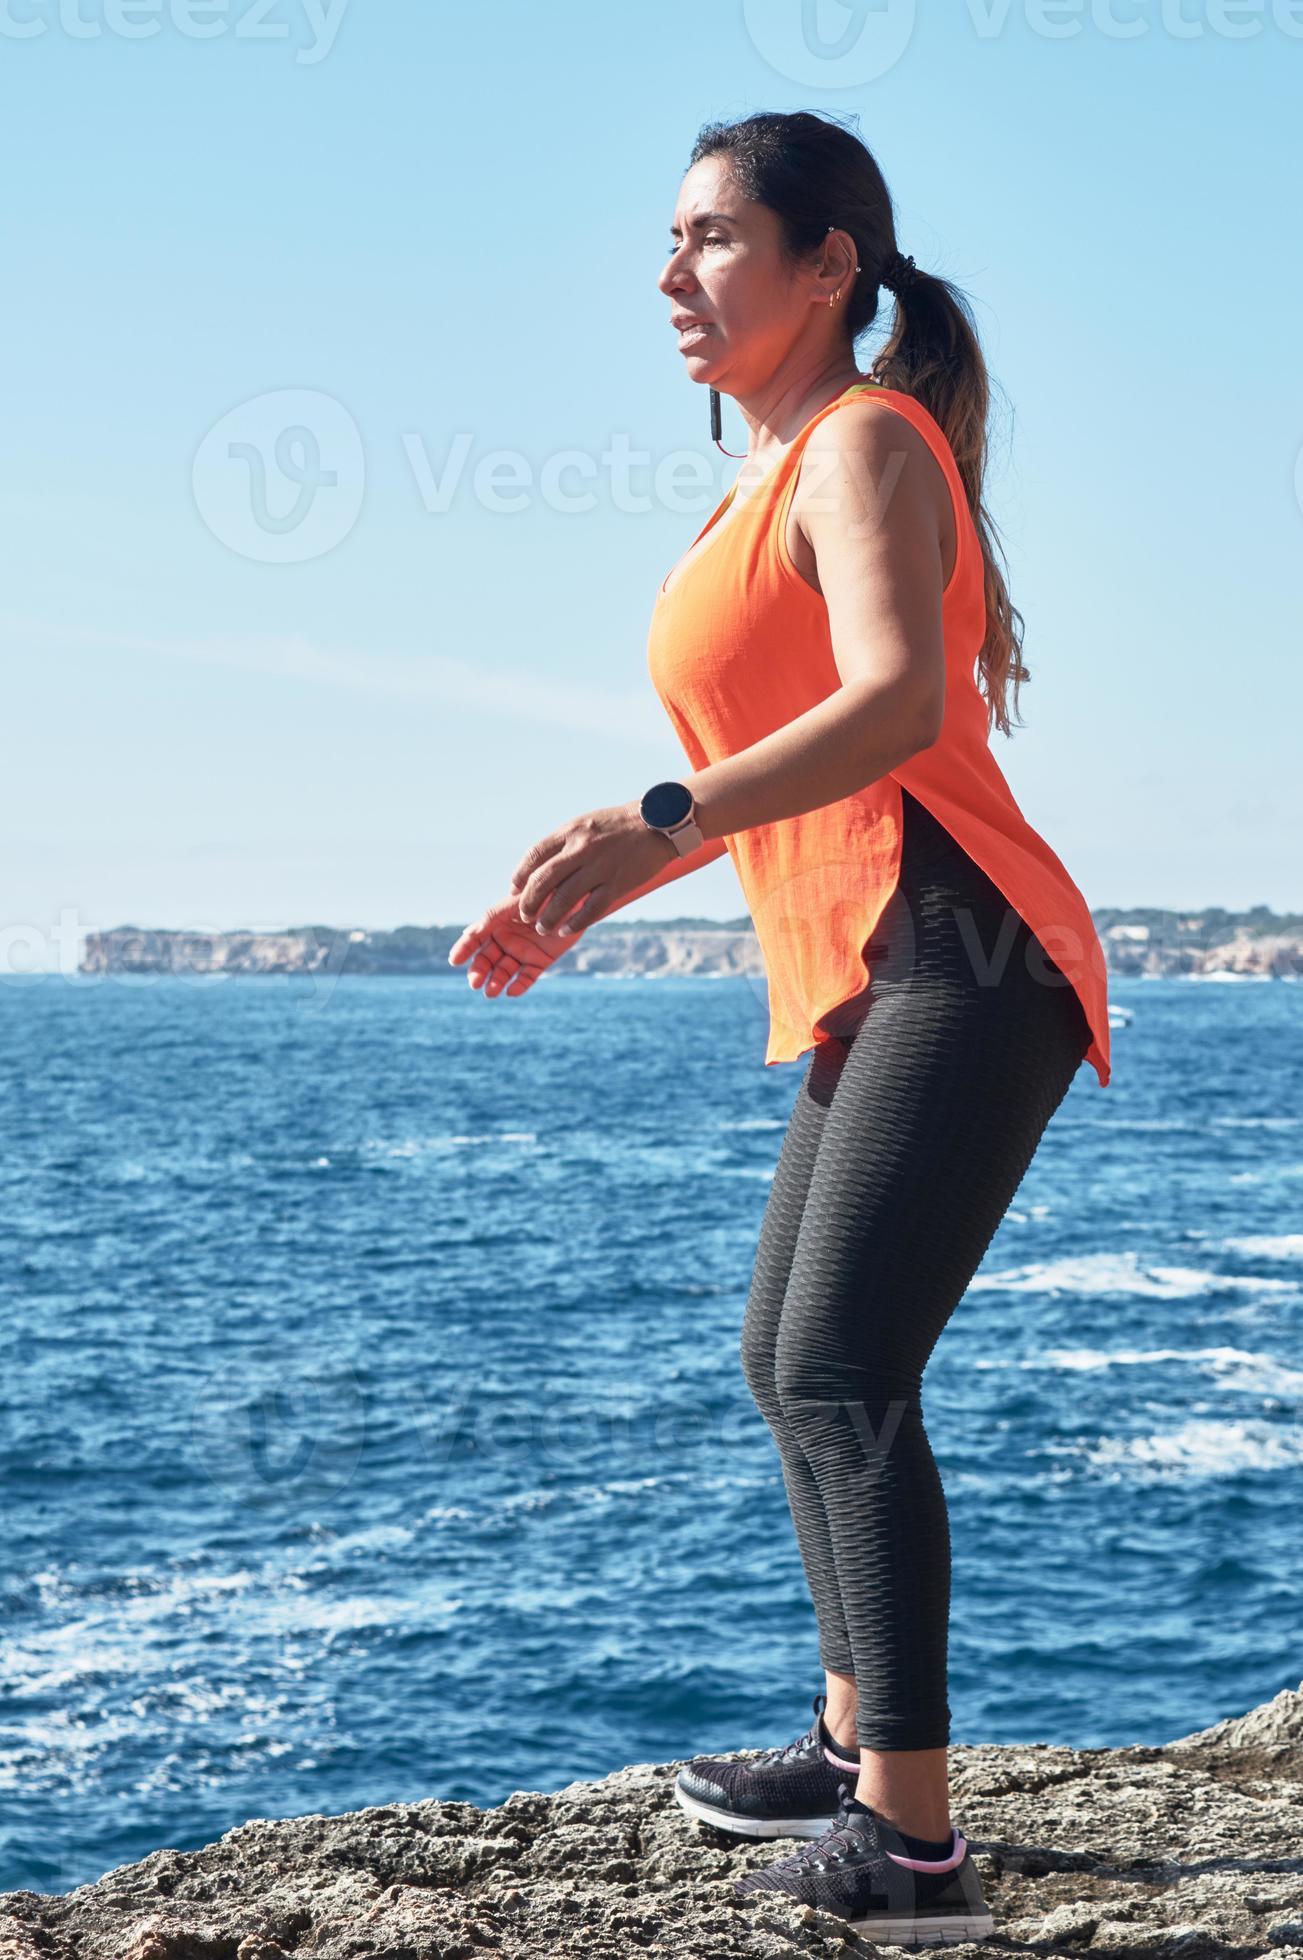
{"x":739,"y":646}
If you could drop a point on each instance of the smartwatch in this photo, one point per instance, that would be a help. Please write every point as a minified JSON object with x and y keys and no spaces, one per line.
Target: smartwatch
{"x":669,"y":808}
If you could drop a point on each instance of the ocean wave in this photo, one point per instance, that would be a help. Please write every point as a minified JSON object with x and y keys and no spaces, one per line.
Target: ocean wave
{"x":1195,"y":1449}
{"x":1231,"y":1368}
{"x":1105,"y":1273}
{"x":1267,"y":1245}
{"x":1254,"y":1122}
{"x":452,"y":1140}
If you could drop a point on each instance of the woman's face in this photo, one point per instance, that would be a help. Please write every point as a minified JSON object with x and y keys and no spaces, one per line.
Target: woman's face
{"x":725,"y":271}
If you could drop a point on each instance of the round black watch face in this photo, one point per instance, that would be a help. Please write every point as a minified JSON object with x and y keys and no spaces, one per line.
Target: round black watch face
{"x":665,"y":804}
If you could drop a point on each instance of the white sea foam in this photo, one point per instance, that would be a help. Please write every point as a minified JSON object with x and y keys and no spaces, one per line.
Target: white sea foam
{"x":135,"y":1637}
{"x":1196,"y":1449}
{"x":1145,"y":1123}
{"x":371,"y":1538}
{"x":306,"y":1613}
{"x":1230,"y":1368}
{"x":1281,"y":1245}
{"x":1105,"y":1273}
{"x":444,"y":1514}
{"x":105,"y":1635}
{"x":418,"y":1146}
{"x":1254,"y":1122}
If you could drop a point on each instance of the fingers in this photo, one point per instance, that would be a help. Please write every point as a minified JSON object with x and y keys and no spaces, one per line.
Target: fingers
{"x":493,"y":971}
{"x":534,"y":894}
{"x":485,"y":963}
{"x":562,"y":899}
{"x":591,"y":908}
{"x":504,"y":970}
{"x":463,"y":946}
{"x":537,"y":855}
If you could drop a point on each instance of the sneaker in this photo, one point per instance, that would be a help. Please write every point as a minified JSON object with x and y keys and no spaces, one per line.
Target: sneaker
{"x":859,"y":1871}
{"x":787,"y":1792}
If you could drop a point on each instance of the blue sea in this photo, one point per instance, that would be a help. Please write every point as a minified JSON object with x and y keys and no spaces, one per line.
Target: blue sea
{"x":374,"y":1426}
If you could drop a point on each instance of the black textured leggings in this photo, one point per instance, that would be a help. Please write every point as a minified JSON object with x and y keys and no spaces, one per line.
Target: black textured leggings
{"x":911,"y":1131}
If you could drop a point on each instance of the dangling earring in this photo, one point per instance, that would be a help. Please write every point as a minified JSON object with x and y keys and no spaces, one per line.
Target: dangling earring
{"x":837,"y":295}
{"x":716,"y":427}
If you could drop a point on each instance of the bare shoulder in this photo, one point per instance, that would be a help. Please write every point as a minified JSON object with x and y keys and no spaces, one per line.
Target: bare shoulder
{"x":867,"y":470}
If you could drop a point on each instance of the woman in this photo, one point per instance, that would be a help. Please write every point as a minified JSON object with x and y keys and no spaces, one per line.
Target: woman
{"x":833,"y":650}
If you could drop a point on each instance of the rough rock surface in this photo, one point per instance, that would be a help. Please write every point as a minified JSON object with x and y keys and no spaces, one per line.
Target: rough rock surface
{"x":1194,"y":1848}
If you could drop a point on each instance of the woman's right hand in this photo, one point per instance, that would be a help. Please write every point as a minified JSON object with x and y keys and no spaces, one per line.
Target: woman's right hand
{"x":505,"y":954}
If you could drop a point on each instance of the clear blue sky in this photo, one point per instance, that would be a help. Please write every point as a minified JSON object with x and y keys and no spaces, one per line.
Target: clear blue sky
{"x":448,"y":222}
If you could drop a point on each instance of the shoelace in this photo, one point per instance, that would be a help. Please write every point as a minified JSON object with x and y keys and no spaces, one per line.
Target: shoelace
{"x":792,"y":1748}
{"x":812,"y":1739}
{"x":834,"y":1846}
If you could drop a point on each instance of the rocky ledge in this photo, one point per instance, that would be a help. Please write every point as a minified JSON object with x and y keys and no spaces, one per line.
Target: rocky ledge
{"x":1194,"y":1848}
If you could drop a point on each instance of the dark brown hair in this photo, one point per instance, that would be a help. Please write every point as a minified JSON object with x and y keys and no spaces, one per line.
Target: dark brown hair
{"x":812,"y":172}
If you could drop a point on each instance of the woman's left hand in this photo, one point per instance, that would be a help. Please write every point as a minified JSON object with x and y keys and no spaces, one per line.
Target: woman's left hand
{"x":593,"y":862}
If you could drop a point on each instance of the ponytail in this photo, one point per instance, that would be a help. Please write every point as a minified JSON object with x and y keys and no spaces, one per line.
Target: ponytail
{"x":811,"y":170}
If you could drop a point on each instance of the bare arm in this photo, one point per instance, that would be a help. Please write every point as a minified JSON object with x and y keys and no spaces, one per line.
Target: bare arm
{"x":873,"y":515}
{"x":503,"y":953}
{"x":875,"y":512}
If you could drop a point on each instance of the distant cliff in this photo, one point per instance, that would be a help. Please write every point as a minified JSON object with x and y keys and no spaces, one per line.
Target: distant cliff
{"x":697,"y":946}
{"x":1136,"y":941}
